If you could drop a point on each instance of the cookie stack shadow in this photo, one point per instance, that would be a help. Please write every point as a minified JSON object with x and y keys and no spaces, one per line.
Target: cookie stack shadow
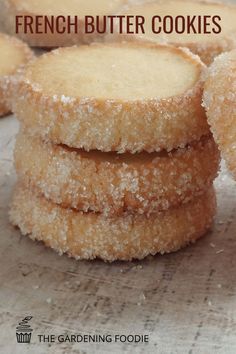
{"x":114,"y":156}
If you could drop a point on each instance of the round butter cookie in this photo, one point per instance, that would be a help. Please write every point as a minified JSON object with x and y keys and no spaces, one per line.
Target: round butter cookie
{"x":207,"y":46}
{"x":60,"y":14}
{"x":113,"y":183}
{"x":14,"y":54}
{"x":124,"y":97}
{"x":90,"y":235}
{"x":220,"y":103}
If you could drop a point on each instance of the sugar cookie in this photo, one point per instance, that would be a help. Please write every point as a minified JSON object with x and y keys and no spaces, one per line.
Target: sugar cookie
{"x":220,"y":102}
{"x":114,"y":97}
{"x":14,"y":54}
{"x":113,"y":183}
{"x":60,"y":31}
{"x":88,"y":235}
{"x":207,"y":46}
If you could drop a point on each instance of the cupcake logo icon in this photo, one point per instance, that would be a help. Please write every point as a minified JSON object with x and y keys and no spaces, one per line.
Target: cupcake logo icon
{"x":24,"y":330}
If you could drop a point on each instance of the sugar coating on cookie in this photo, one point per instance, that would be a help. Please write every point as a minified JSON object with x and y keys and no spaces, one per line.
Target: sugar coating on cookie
{"x":91,"y":235}
{"x":102,"y":96}
{"x":113,"y":183}
{"x":220,"y":103}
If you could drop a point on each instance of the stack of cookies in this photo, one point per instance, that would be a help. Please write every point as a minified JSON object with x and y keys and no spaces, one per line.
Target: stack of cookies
{"x":115,"y":158}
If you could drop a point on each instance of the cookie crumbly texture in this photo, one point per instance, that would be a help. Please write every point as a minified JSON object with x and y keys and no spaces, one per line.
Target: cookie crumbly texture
{"x":124,"y":97}
{"x":90,"y":235}
{"x":207,"y":46}
{"x":113,"y":183}
{"x":9,"y":9}
{"x":14,"y":55}
{"x":220,"y":103}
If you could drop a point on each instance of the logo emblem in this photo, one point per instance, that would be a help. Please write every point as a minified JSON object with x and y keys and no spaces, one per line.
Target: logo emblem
{"x":24,"y":331}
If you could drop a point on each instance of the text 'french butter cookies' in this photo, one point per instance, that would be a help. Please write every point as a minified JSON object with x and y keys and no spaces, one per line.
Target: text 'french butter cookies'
{"x":220,"y":103}
{"x":14,"y":54}
{"x":114,"y":97}
{"x":89,"y":235}
{"x":172,"y":25}
{"x":113,"y":183}
{"x":57,"y":33}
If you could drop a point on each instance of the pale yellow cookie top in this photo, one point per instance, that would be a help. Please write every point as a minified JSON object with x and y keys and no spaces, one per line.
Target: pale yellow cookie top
{"x":185,"y":8}
{"x":13,"y":54}
{"x":125,"y":71}
{"x":68,"y":7}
